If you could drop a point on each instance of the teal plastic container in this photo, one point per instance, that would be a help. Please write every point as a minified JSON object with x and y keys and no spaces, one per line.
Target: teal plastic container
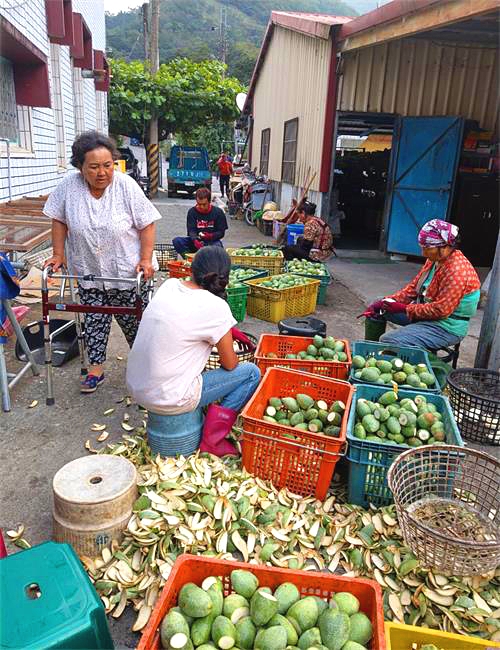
{"x":369,"y":461}
{"x":388,"y":351}
{"x":174,"y":435}
{"x":49,"y":602}
{"x":324,"y":280}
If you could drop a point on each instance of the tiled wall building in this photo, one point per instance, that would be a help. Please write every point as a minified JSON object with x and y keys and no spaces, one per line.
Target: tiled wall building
{"x":54,"y":79}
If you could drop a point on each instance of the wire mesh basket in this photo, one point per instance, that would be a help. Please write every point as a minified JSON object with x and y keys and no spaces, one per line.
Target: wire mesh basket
{"x":164,"y":253}
{"x":475,"y":399}
{"x":242,"y":352}
{"x":448,"y":504}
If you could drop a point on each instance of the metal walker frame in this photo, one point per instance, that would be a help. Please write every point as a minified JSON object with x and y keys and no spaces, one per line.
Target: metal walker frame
{"x":76,"y":307}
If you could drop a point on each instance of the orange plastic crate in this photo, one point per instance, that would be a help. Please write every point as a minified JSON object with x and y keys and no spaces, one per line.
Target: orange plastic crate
{"x":283,"y":345}
{"x":192,"y":568}
{"x":179,"y":269}
{"x":304,"y":464}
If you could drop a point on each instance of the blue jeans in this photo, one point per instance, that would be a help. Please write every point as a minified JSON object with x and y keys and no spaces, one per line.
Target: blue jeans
{"x":233,"y":388}
{"x":426,"y":334}
{"x":185,"y":245}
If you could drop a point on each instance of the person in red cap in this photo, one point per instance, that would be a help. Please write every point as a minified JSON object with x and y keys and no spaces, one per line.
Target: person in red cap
{"x":225,"y":170}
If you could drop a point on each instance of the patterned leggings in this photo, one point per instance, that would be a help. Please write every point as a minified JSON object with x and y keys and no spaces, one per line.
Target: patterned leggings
{"x":98,"y":326}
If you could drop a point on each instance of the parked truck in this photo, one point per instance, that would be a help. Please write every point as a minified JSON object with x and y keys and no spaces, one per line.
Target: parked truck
{"x":189,"y":169}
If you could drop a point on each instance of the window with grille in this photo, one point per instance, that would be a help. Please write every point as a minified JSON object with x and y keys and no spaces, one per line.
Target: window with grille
{"x":8,"y":107}
{"x":265,"y":139}
{"x":57,"y":105}
{"x":290,"y":134}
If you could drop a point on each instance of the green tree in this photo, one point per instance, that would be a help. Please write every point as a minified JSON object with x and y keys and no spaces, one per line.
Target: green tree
{"x":186,"y":94}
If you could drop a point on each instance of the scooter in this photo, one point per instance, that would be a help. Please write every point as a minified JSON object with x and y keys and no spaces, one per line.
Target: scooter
{"x":256,"y":194}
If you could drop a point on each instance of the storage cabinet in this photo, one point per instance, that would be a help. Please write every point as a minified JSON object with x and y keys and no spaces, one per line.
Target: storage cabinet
{"x":475,"y":212}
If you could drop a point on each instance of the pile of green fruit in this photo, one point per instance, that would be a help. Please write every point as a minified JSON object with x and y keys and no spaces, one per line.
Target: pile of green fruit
{"x":252,"y":617}
{"x":414,"y":422}
{"x":238,"y":276}
{"x":284,"y":281}
{"x":257,"y":250}
{"x":321,"y":349}
{"x":306,"y":414}
{"x":304,"y":266}
{"x":385,"y":371}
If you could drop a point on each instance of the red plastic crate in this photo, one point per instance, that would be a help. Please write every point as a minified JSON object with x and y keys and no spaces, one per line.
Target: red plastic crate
{"x":304,"y":465}
{"x":283,"y":345}
{"x":191,"y":568}
{"x":179,"y":269}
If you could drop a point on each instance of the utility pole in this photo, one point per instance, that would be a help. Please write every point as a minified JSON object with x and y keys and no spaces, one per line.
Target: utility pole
{"x":223,"y":34}
{"x":154,"y":64}
{"x":145,"y":29}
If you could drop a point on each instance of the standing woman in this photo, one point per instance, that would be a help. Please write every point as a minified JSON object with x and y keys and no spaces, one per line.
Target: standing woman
{"x":107,"y":225}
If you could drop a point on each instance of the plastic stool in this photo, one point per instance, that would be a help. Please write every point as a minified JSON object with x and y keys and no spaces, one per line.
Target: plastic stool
{"x":48,"y":601}
{"x":305,"y":326}
{"x":172,"y":435}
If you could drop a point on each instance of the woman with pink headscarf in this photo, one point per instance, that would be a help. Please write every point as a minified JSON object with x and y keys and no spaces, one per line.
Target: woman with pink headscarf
{"x":436,"y":306}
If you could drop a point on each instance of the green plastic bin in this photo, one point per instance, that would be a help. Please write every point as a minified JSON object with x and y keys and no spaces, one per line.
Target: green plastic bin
{"x":49,"y":602}
{"x":237,"y":296}
{"x":369,"y":461}
{"x":325,"y":280}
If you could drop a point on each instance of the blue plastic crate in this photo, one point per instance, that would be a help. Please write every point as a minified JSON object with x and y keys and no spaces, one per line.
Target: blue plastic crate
{"x":48,"y":601}
{"x":388,"y":351}
{"x":369,"y":461}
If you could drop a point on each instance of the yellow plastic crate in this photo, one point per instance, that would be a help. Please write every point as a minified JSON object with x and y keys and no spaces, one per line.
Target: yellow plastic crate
{"x":272,"y":264}
{"x":275,"y":304}
{"x":401,"y":637}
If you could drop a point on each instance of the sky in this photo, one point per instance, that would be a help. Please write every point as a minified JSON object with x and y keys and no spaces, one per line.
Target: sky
{"x":115,"y":6}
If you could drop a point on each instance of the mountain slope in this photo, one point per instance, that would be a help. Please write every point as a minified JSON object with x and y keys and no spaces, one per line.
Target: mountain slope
{"x":190,"y":28}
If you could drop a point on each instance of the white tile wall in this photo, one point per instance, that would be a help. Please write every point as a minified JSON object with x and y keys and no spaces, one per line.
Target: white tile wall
{"x":37,"y":172}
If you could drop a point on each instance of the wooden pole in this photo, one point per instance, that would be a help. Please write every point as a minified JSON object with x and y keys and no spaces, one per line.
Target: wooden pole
{"x":488,"y":347}
{"x":154,"y":63}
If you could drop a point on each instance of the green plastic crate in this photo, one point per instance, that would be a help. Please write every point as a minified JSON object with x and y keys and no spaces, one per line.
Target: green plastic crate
{"x":237,"y":296}
{"x":49,"y":602}
{"x":237,"y":301}
{"x":325,"y":280}
{"x":369,"y":461}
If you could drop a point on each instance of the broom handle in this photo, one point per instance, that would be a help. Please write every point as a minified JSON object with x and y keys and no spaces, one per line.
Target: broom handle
{"x":304,"y":193}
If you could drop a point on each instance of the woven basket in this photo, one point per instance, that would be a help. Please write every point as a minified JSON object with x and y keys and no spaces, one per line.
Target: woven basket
{"x":475,"y":399}
{"x":448,"y":504}
{"x":242,"y":353}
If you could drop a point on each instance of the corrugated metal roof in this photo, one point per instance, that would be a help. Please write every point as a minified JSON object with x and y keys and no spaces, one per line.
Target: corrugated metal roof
{"x":315,"y":25}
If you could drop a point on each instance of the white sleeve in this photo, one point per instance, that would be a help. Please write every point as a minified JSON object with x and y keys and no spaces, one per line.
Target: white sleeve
{"x":221,"y":322}
{"x":142,"y":211}
{"x":55,"y":206}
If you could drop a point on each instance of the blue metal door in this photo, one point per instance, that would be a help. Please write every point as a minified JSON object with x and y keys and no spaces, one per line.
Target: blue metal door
{"x":426,"y":154}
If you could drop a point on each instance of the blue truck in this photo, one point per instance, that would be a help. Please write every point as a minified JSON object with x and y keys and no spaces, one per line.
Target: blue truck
{"x":189,"y":169}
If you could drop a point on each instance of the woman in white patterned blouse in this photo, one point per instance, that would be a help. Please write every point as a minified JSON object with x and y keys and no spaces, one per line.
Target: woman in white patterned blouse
{"x":107,"y":226}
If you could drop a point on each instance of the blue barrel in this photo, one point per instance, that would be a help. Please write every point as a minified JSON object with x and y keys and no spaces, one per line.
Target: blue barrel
{"x":172,"y":435}
{"x":294,"y":231}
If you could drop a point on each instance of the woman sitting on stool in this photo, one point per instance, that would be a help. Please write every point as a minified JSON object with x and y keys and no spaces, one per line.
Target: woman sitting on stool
{"x":436,"y":306}
{"x":184,"y":320}
{"x":316,"y":244}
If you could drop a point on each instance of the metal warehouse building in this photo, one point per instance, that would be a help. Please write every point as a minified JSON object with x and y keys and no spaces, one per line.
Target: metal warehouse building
{"x":424,"y":72}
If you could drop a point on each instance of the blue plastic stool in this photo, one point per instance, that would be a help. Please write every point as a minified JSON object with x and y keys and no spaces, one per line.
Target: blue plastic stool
{"x":48,"y":602}
{"x":173,"y":435}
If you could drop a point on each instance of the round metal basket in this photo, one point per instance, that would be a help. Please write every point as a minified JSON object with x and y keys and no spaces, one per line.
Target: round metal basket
{"x":475,"y":399}
{"x":448,"y":504}
{"x":242,"y":353}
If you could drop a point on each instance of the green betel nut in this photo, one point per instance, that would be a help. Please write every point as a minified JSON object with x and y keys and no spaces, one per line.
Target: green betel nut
{"x":263,"y":606}
{"x":286,"y":594}
{"x":194,"y":602}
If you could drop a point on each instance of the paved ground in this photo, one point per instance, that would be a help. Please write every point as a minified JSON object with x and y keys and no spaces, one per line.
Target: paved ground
{"x":37,"y":441}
